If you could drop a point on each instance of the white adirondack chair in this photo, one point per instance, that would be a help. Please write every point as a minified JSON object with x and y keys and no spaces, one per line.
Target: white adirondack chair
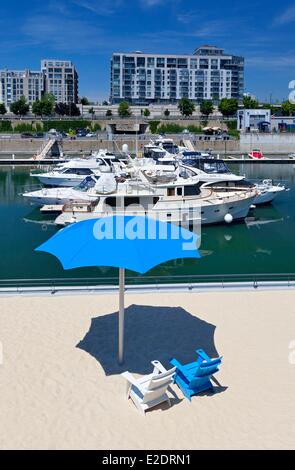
{"x":149,"y":390}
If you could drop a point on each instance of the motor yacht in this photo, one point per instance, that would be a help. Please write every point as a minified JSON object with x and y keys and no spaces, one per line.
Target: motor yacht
{"x":73,"y":172}
{"x":268,"y":191}
{"x":174,"y":201}
{"x":207,"y":168}
{"x":85,"y":191}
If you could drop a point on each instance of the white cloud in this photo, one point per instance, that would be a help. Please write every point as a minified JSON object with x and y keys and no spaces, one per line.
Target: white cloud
{"x":153,"y":3}
{"x":98,"y":7}
{"x":288,"y":16}
{"x":272,"y":62}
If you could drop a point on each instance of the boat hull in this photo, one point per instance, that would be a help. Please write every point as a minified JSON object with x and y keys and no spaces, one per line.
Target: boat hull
{"x":57,"y":181}
{"x":266,"y":197}
{"x":208,"y":214}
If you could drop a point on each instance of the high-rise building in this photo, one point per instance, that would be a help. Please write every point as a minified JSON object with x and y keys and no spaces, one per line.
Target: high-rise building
{"x":61,"y":80}
{"x":157,"y":78}
{"x":17,"y":83}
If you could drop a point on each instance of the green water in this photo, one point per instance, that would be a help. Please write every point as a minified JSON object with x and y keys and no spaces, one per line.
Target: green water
{"x":264,"y":245}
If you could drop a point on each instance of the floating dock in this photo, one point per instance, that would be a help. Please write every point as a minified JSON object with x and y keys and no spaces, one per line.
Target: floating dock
{"x":31,"y":161}
{"x":263,"y":161}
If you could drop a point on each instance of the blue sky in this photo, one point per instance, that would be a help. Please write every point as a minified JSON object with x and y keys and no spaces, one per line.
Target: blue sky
{"x":88,"y":31}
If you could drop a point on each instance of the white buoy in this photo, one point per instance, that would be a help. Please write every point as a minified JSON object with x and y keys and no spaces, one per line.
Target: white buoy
{"x":228,"y":237}
{"x":228,"y":218}
{"x":252,"y":206}
{"x":125,"y":148}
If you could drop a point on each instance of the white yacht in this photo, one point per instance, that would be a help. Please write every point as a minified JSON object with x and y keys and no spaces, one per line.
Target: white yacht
{"x":267,"y":191}
{"x":165,"y":144}
{"x":172,"y":201}
{"x":210,"y":170}
{"x":73,"y":172}
{"x":207,"y":168}
{"x":85,"y":191}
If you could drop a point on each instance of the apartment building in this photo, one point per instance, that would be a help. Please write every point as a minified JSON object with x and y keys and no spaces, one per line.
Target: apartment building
{"x":61,"y":80}
{"x":209,"y":73}
{"x":17,"y":83}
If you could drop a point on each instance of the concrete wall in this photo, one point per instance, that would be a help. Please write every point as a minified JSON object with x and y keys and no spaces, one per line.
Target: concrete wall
{"x":268,"y":143}
{"x":81,"y":146}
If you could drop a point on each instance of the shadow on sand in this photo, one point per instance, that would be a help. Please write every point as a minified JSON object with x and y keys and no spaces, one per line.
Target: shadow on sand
{"x":150,"y":333}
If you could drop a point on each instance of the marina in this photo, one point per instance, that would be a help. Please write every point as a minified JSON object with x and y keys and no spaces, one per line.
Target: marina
{"x":147,"y":212}
{"x":252,"y":247}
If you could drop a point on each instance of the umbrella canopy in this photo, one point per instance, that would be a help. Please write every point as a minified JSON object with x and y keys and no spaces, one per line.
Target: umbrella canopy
{"x":136,"y":243}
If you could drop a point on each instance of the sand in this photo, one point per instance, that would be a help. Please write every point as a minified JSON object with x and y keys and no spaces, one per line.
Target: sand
{"x":61,"y":386}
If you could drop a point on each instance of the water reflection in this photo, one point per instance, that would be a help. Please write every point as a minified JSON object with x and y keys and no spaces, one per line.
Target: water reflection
{"x":264,"y":243}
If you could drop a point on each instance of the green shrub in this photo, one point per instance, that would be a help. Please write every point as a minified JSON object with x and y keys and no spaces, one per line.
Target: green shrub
{"x":234,"y":133}
{"x":195,"y":129}
{"x":24,"y":128}
{"x":170,"y":129}
{"x":39,"y":127}
{"x":154,"y":126}
{"x":96,"y":127}
{"x":65,"y":126}
{"x":232,"y":125}
{"x":5,"y":126}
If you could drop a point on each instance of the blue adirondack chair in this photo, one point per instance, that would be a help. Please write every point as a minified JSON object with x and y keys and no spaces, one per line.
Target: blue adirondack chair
{"x":196,"y":377}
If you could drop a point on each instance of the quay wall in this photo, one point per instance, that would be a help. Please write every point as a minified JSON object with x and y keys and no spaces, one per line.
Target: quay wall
{"x":268,"y":143}
{"x":19,"y":146}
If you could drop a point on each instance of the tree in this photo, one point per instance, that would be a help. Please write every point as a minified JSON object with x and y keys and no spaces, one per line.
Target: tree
{"x":288,"y":109}
{"x":92,"y":112}
{"x":45,"y":106}
{"x":250,"y":103}
{"x":20,"y":107}
{"x":124,"y":109}
{"x":206,"y":107}
{"x":84,"y":101}
{"x":62,"y":109}
{"x":186,"y":107}
{"x":146,"y":112}
{"x":109,"y":113}
{"x":36,"y":108}
{"x":74,"y":110}
{"x":166,"y":113}
{"x":228,"y":106}
{"x":3,"y":109}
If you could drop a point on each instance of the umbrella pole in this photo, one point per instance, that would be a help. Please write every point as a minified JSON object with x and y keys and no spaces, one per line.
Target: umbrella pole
{"x":121,"y":314}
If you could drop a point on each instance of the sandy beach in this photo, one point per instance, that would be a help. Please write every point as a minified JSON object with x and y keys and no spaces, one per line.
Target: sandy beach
{"x":61,"y":386}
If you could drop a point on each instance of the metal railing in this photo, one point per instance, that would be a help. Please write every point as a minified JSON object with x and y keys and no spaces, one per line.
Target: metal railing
{"x":145,"y":283}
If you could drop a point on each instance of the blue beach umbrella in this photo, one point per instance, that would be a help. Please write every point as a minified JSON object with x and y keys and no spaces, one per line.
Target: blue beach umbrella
{"x":136,"y":243}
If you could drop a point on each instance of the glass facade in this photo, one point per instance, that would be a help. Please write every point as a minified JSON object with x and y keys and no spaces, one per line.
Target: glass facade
{"x":14,"y":84}
{"x":145,"y":78}
{"x":61,"y":80}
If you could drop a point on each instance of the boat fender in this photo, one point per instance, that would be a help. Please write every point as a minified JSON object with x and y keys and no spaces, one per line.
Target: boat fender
{"x":228,"y":218}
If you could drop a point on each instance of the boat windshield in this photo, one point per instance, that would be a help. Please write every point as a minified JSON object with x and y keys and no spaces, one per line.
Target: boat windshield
{"x":170,"y":147}
{"x":86,"y":184}
{"x":207,"y":165}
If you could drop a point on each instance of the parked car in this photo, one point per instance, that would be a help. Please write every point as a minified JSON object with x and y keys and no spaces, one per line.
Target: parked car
{"x":91,"y":134}
{"x":39,"y":135}
{"x":81,"y":132}
{"x":27,"y":135}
